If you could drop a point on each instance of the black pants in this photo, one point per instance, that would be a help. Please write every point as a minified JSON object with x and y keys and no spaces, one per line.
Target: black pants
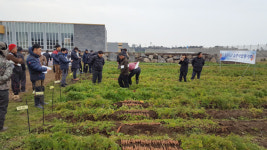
{"x":15,"y":82}
{"x":90,"y":68}
{"x":4,"y":98}
{"x":85,"y":68}
{"x":23,"y":81}
{"x":74,"y":72}
{"x":97,"y":75}
{"x":123,"y":81}
{"x":81,"y":67}
{"x":135,"y":72}
{"x":183,"y":75}
{"x":38,"y":87}
{"x":194,"y":74}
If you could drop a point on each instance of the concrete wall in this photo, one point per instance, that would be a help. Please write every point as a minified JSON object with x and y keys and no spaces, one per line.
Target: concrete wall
{"x":113,"y":47}
{"x":91,"y":37}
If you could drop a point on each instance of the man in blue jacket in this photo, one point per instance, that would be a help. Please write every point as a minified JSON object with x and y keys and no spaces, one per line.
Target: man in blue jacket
{"x":37,"y":75}
{"x":64,"y":65}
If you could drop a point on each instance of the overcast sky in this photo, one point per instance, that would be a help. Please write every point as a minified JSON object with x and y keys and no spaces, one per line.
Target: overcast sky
{"x":162,"y":22}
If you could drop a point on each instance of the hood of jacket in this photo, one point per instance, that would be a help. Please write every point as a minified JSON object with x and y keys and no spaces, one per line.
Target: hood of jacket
{"x":59,"y":53}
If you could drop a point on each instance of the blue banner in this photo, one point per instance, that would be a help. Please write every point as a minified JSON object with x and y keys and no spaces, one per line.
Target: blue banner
{"x":248,"y":57}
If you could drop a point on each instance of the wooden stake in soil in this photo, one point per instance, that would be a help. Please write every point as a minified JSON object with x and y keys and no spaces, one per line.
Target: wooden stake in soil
{"x":28,"y":117}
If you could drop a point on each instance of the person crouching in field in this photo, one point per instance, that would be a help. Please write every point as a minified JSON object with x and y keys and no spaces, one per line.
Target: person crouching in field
{"x":197,"y":63}
{"x":37,"y":75}
{"x":17,"y":71}
{"x":123,"y":66}
{"x":97,"y":62}
{"x":6,"y":69}
{"x":64,"y":65}
{"x":134,"y":70}
{"x":184,"y":61}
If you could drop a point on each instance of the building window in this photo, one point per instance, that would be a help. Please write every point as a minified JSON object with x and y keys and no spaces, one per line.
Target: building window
{"x":22,"y":39}
{"x":67,"y":40}
{"x":37,"y":38}
{"x":52,"y":40}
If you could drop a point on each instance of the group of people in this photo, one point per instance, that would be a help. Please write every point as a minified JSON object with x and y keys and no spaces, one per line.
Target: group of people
{"x":12,"y":66}
{"x":197,"y":63}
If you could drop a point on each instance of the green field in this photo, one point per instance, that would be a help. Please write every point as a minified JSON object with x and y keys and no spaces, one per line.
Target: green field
{"x":225,"y":109}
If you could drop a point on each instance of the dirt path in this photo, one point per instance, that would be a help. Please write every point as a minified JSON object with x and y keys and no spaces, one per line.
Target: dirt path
{"x":50,"y":76}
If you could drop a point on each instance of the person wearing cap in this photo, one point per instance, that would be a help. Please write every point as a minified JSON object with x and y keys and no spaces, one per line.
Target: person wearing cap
{"x":64,"y":65}
{"x":6,"y":70}
{"x":15,"y":78}
{"x":47,"y":56}
{"x":56,"y":62}
{"x":124,"y":52}
{"x":123,"y":66}
{"x":85,"y":61}
{"x":75,"y":62}
{"x":97,"y":63}
{"x":23,"y":73}
{"x":37,"y":75}
{"x":134,"y":69}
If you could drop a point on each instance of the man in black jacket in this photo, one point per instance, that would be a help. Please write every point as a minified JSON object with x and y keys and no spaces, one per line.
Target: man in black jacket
{"x":197,"y":63}
{"x":90,"y":57}
{"x":75,"y":62}
{"x":124,"y":67}
{"x":97,"y":62}
{"x":23,"y":73}
{"x":184,"y":61}
{"x":85,"y":61}
{"x":48,"y":57}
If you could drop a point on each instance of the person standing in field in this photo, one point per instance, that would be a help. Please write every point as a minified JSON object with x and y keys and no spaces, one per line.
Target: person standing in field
{"x":80,"y":62}
{"x":134,"y":69}
{"x":17,"y":71}
{"x":97,"y":62}
{"x":56,"y":62}
{"x":75,"y":63}
{"x":123,"y":66}
{"x":85,"y":61}
{"x":47,"y":56}
{"x":197,"y":63}
{"x":23,"y":73}
{"x":90,"y":57}
{"x":64,"y":65}
{"x":43,"y":60}
{"x":6,"y":70}
{"x":184,"y":61}
{"x":124,"y":52}
{"x":37,"y":75}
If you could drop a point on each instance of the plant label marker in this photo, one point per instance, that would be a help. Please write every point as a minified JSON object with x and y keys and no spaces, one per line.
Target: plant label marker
{"x":22,"y":107}
{"x":52,"y":87}
{"x":57,"y":82}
